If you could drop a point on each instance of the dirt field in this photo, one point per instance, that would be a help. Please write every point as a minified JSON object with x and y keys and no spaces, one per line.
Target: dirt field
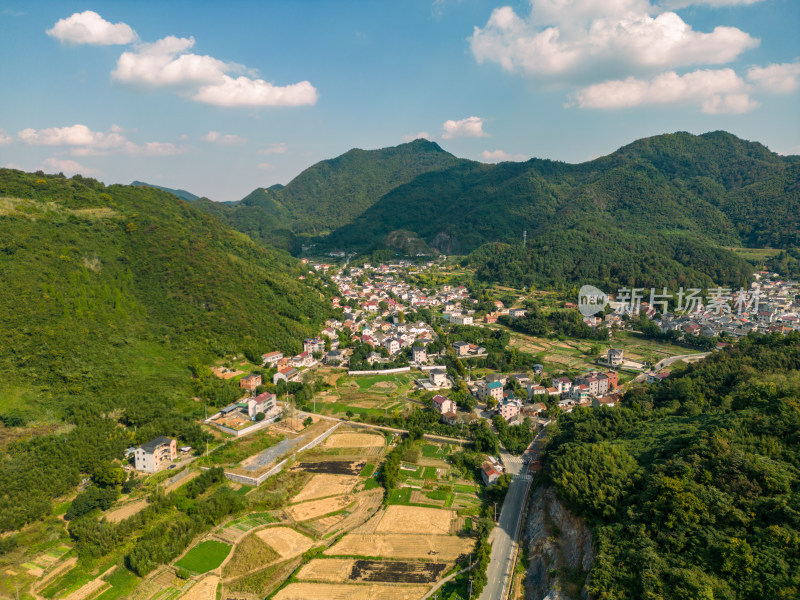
{"x":322,"y":485}
{"x":354,"y":440}
{"x":446,"y":547}
{"x":415,"y":519}
{"x":366,"y":503}
{"x":331,"y":570}
{"x":205,"y":589}
{"x":332,"y":591}
{"x":332,"y":467}
{"x":123,"y":512}
{"x":318,"y":508}
{"x":286,"y":542}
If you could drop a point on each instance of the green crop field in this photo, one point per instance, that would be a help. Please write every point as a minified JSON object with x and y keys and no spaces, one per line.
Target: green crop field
{"x":205,"y":556}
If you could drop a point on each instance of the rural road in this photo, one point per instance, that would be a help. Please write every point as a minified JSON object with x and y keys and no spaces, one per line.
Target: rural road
{"x":504,"y":535}
{"x":668,"y":361}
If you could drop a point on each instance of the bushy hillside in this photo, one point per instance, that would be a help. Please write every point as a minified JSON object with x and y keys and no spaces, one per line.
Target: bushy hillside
{"x":109,"y":295}
{"x":330,"y":193}
{"x":693,"y":487}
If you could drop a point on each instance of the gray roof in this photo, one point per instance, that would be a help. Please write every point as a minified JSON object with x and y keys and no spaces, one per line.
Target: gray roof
{"x":152,"y":445}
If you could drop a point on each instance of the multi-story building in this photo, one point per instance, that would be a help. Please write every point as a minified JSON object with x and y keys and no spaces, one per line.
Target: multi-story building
{"x":250,"y":382}
{"x":155,"y":455}
{"x":490,"y":389}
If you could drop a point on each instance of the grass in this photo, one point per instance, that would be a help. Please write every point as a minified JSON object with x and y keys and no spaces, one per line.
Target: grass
{"x":252,"y":521}
{"x":429,"y":473}
{"x":437,"y":495}
{"x":367,"y":471}
{"x":205,"y":556}
{"x":431,"y":451}
{"x":236,"y":451}
{"x":371,"y":484}
{"x":264,"y":581}
{"x":400,"y":496}
{"x":122,"y":582}
{"x":250,"y":553}
{"x":467,"y":489}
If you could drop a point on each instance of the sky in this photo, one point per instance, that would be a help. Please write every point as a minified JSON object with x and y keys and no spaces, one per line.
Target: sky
{"x":221,"y":98}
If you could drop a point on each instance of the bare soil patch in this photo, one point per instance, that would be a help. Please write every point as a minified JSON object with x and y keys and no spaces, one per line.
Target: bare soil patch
{"x":128,"y":510}
{"x":445,"y":548}
{"x":354,"y":440}
{"x":341,"y":591}
{"x":396,"y":571}
{"x":322,"y":485}
{"x":285,"y":541}
{"x":415,"y":519}
{"x":331,"y":570}
{"x":332,"y":467}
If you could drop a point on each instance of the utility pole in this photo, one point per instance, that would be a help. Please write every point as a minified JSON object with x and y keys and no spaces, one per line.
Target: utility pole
{"x":524,"y":238}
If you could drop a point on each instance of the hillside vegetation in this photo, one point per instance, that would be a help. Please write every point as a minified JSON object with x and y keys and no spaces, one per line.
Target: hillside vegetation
{"x":109,"y":295}
{"x":693,"y":486}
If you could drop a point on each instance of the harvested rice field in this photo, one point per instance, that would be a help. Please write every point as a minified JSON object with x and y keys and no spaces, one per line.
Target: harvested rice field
{"x":402,"y":546}
{"x":323,"y":485}
{"x":285,"y":541}
{"x":205,"y":589}
{"x":318,"y":508}
{"x":354,"y":440}
{"x":343,"y":591}
{"x":415,"y":519}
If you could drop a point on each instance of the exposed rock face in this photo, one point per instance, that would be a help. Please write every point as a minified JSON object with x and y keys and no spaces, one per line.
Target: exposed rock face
{"x":559,"y":550}
{"x":446,"y":243}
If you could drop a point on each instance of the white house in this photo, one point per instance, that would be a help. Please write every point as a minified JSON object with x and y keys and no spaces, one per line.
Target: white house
{"x":155,"y":454}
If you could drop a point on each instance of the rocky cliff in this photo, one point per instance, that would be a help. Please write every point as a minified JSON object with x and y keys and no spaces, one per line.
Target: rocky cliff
{"x":559,"y":548}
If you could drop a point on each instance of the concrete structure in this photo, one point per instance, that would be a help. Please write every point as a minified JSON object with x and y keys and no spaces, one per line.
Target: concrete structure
{"x":287,"y":374}
{"x":155,"y":455}
{"x":420,"y":355}
{"x":443,"y":404}
{"x":438,"y":377}
{"x":491,"y":389}
{"x":461,"y":319}
{"x":489,"y":474}
{"x":263,"y":403}
{"x":508,"y":409}
{"x":271,"y":358}
{"x":614,"y":357}
{"x":250,"y":382}
{"x":461,"y":348}
{"x":392,"y":345}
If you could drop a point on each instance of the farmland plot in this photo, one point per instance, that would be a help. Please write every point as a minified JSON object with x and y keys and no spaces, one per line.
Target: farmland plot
{"x":332,"y":467}
{"x":415,"y":519}
{"x":402,"y":546}
{"x":354,"y":440}
{"x":330,"y":591}
{"x":318,"y":508}
{"x":285,"y":541}
{"x":323,"y":485}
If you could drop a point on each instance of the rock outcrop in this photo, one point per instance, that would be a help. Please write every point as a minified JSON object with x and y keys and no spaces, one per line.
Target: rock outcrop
{"x":559,"y":550}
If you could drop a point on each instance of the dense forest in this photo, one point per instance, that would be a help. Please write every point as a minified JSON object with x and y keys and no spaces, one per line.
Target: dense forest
{"x":692,"y":487}
{"x":109,"y":295}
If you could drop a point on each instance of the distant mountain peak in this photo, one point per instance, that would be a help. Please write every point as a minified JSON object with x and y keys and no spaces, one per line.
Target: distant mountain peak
{"x":182,"y":194}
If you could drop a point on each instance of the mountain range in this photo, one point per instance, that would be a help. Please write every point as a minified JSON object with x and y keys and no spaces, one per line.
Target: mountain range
{"x":676,"y":201}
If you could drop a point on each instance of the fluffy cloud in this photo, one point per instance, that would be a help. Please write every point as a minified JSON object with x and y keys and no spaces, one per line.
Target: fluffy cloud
{"x":278,"y":148}
{"x":719,"y":91}
{"x":564,"y":38}
{"x":712,"y":3}
{"x":469,"y":127}
{"x":84,"y":142}
{"x":167,"y":63}
{"x":500,"y":156}
{"x":265,"y":166}
{"x":244,"y":91}
{"x":90,"y":28}
{"x":424,"y":135}
{"x":783,"y":78}
{"x":228,"y":139}
{"x":68,"y":167}
{"x":4,"y":138}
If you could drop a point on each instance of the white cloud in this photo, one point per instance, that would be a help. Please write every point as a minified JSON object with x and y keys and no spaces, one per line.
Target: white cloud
{"x":719,"y":91}
{"x":500,"y":156}
{"x":90,"y":28}
{"x":423,"y":135}
{"x":265,"y":166}
{"x":711,"y":3}
{"x":781,"y":79}
{"x":469,"y":127}
{"x":243,"y":91}
{"x":564,"y":38}
{"x":84,"y":142}
{"x":4,"y":138}
{"x":228,"y":139}
{"x":278,"y":148}
{"x":167,"y":63}
{"x":68,"y":167}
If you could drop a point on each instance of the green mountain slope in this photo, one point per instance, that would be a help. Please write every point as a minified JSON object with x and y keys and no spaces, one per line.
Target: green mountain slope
{"x":109,"y":296}
{"x":691,"y":487}
{"x":330,"y":193}
{"x":182,"y":194}
{"x":710,"y":190}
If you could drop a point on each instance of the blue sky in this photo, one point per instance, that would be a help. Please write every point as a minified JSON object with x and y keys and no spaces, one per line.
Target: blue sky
{"x":221,"y":98}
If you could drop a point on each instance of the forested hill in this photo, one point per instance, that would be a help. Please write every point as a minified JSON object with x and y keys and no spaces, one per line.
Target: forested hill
{"x":182,"y":194}
{"x":692,"y":487}
{"x":108,"y":296}
{"x":715,"y":186}
{"x":332,"y":192}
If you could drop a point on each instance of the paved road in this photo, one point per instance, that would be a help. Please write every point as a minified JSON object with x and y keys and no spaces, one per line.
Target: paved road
{"x":668,"y":361}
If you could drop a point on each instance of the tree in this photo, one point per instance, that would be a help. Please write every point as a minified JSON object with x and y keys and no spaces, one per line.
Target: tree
{"x":107,"y":474}
{"x":307,"y":421}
